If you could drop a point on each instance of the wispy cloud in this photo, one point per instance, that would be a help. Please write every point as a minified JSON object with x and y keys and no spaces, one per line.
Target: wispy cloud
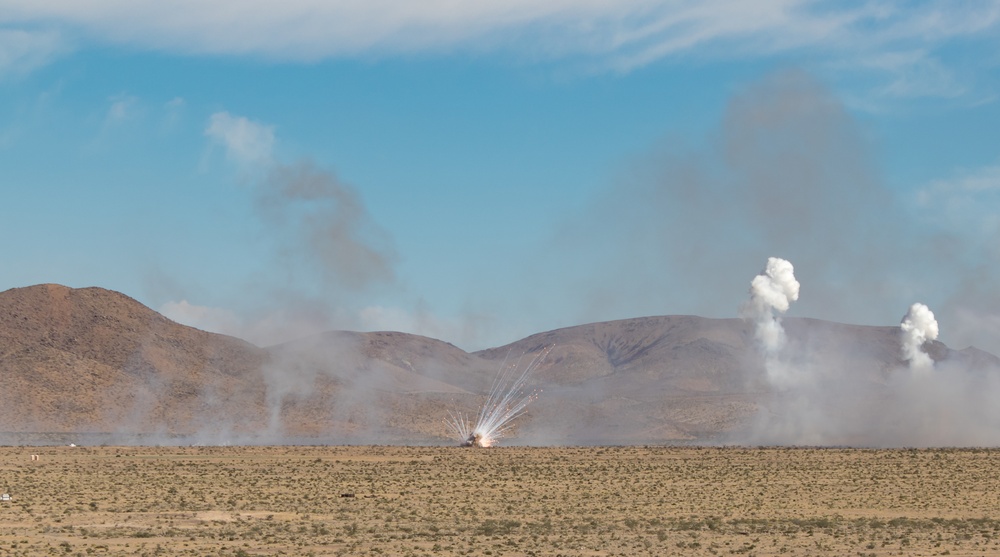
{"x":914,"y":73}
{"x":963,"y":208}
{"x":174,"y":104}
{"x":23,"y":50}
{"x":465,"y":331}
{"x":173,"y":110}
{"x":276,"y":326}
{"x":246,"y":142}
{"x":981,"y":179}
{"x":619,"y":34}
{"x":964,"y":202}
{"x":123,"y":107}
{"x":216,"y":320}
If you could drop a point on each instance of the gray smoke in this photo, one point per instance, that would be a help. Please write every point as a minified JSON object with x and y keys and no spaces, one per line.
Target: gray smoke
{"x":332,"y":252}
{"x":325,"y":227}
{"x":787,"y":171}
{"x":321,"y":254}
{"x":790,"y":171}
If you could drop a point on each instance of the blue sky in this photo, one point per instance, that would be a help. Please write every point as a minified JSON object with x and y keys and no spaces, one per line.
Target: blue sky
{"x":479,"y":171}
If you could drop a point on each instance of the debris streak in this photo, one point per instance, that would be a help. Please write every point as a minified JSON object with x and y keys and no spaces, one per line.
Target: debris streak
{"x":506,"y":402}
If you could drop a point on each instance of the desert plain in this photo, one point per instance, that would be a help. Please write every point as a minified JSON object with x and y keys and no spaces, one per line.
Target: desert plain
{"x":512,"y":501}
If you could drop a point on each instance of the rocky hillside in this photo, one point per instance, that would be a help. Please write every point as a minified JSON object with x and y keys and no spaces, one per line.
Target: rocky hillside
{"x":95,"y":362}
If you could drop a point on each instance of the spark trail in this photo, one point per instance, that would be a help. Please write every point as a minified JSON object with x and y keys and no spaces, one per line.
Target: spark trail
{"x":506,"y":402}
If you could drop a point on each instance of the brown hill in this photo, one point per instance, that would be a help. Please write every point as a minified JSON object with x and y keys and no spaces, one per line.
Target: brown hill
{"x":641,"y":380}
{"x":96,"y":361}
{"x":92,"y":360}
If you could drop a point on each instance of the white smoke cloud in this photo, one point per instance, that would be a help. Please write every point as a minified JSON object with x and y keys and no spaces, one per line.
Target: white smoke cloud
{"x":918,"y":326}
{"x":771,"y":293}
{"x":840,"y":394}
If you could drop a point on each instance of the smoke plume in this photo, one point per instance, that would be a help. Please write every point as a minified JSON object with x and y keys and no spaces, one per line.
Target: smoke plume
{"x":319,"y":247}
{"x":325,"y":226}
{"x":789,"y":171}
{"x":771,"y":293}
{"x":833,"y":384}
{"x":918,"y":326}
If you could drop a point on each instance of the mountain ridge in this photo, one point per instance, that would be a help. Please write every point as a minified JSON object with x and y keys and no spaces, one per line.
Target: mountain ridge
{"x":95,"y":360}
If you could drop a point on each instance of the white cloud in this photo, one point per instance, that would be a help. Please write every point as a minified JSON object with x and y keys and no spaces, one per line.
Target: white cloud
{"x":288,"y":324}
{"x":262,"y":330}
{"x":176,"y":103}
{"x":245,"y":141}
{"x":976,"y":326}
{"x":915,"y":73}
{"x":123,"y":107}
{"x":24,"y":50}
{"x":379,"y":318}
{"x":266,"y":327}
{"x":965,"y":205}
{"x":172,"y":112}
{"x":983,"y":179}
{"x":215,"y":320}
{"x":965,"y":186}
{"x":469,"y":332}
{"x":620,"y":33}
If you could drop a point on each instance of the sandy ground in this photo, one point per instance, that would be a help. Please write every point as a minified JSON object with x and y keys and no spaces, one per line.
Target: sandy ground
{"x":501,"y":501}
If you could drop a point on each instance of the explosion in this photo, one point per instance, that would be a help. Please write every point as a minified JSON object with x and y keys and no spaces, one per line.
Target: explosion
{"x":771,"y":294}
{"x":918,"y":327}
{"x":506,"y":401}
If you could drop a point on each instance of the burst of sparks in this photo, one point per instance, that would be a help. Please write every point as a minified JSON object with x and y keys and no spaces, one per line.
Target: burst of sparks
{"x":507,"y":401}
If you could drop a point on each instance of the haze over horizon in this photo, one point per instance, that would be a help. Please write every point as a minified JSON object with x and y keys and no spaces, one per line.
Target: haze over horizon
{"x":480,"y":172}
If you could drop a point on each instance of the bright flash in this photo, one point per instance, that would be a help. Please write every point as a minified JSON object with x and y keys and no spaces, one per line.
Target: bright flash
{"x":507,"y":400}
